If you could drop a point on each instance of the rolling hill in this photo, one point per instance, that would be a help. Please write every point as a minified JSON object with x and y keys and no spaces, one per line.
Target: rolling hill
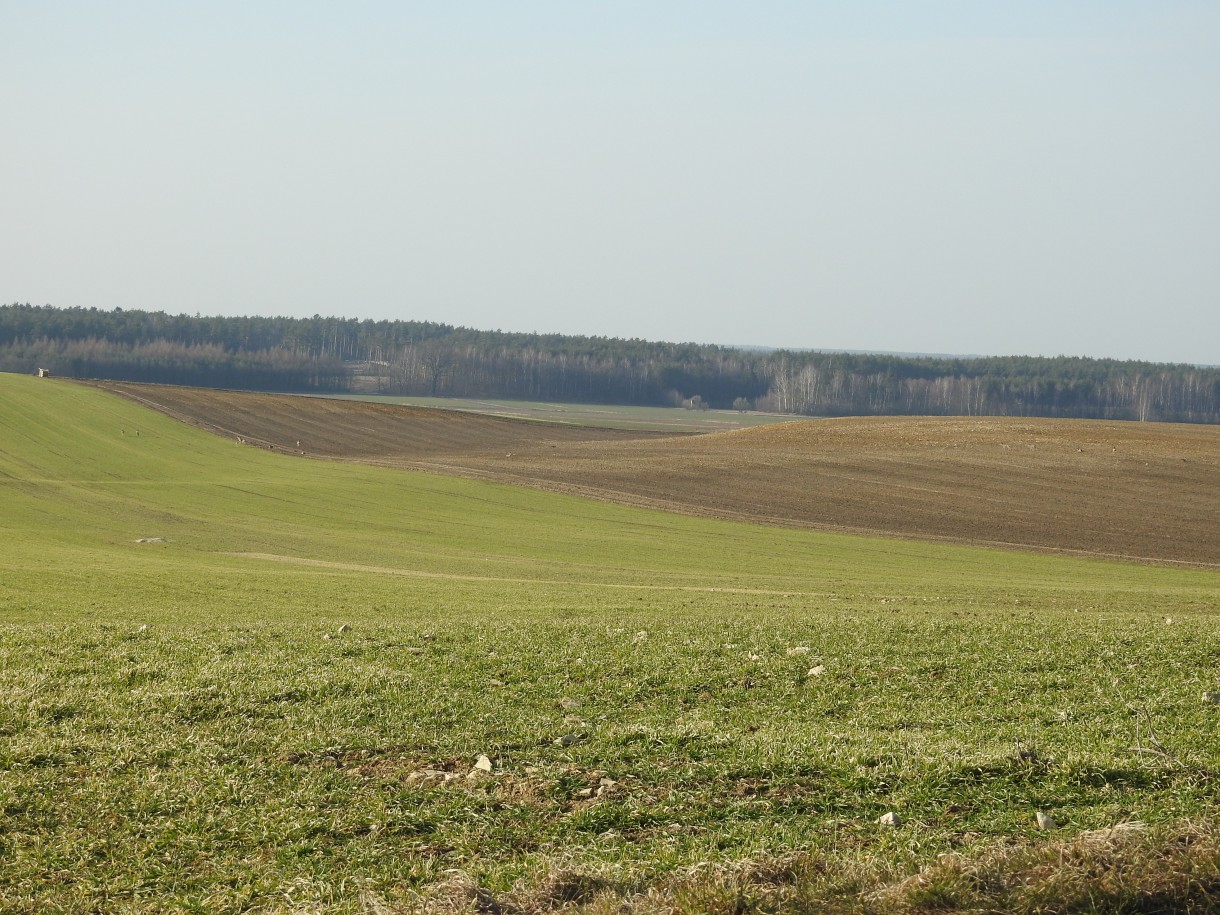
{"x":237,"y":679}
{"x":1113,"y":489}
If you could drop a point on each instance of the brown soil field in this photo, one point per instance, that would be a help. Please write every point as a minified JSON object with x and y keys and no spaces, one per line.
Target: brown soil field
{"x":353,"y":430}
{"x":1139,"y":491}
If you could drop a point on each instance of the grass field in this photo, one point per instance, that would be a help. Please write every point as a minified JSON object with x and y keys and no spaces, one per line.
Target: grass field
{"x":606,"y":416}
{"x":679,"y":713}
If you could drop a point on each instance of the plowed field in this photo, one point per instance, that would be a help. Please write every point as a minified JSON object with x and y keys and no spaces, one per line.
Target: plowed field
{"x":1137,"y":491}
{"x":355,"y":430}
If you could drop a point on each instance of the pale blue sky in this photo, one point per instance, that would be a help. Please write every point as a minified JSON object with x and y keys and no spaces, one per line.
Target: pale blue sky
{"x":969,"y":177}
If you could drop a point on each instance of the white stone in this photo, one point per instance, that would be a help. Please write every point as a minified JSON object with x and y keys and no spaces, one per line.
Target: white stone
{"x":817,"y":671}
{"x":483,"y":763}
{"x":890,"y":819}
{"x":1209,"y":696}
{"x":1045,"y":821}
{"x":429,"y":778}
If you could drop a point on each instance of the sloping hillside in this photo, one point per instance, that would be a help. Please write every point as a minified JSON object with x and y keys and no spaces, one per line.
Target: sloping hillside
{"x":353,"y":430}
{"x":241,"y":680}
{"x":1145,"y":491}
{"x":1137,"y":491}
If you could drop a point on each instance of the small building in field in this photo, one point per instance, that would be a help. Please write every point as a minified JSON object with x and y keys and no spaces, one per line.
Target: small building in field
{"x":44,"y":373}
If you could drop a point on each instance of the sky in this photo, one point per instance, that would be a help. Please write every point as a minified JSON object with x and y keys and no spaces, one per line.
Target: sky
{"x":968,"y":177}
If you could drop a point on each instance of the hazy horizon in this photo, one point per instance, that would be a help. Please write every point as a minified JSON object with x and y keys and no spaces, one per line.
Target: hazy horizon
{"x":931,"y":177}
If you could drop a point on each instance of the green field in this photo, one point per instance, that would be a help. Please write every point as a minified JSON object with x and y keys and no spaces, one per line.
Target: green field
{"x":186,"y":728}
{"x":610,"y":416}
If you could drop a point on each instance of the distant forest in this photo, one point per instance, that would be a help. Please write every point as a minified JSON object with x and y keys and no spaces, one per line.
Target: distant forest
{"x":333,"y":355}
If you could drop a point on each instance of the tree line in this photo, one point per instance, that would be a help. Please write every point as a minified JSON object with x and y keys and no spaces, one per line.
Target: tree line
{"x":327,"y":354}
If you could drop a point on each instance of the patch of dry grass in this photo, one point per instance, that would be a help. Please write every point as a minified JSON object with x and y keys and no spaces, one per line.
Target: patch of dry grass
{"x":1125,"y":869}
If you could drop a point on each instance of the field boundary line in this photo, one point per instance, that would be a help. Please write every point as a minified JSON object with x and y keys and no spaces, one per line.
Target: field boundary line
{"x":453,"y":576}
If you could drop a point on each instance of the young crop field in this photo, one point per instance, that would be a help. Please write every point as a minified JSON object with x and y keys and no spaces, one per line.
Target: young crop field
{"x":236,"y":680}
{"x":671,"y":420}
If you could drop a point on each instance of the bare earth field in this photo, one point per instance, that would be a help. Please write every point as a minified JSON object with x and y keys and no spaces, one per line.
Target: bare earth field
{"x":1123,"y":490}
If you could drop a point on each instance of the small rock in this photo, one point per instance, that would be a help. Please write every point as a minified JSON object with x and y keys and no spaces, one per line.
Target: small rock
{"x":816,"y":671}
{"x":890,"y":819}
{"x":144,"y":627}
{"x":428,"y":778}
{"x":344,"y":628}
{"x":495,"y":682}
{"x":327,"y":637}
{"x":799,"y":649}
{"x":641,"y":636}
{"x":585,"y":792}
{"x":1045,"y":821}
{"x":1209,"y":696}
{"x":483,"y":763}
{"x":566,"y":740}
